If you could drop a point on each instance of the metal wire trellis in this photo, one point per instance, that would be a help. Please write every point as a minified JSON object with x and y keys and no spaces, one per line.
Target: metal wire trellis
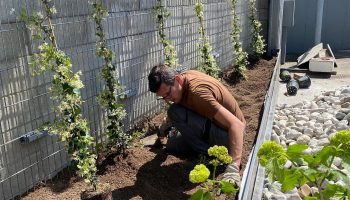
{"x":25,"y":101}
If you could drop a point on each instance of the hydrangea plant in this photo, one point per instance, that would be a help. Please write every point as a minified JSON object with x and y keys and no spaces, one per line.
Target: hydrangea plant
{"x":313,"y":169}
{"x":201,"y":174}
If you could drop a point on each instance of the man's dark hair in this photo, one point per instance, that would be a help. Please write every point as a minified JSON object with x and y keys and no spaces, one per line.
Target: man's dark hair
{"x":160,"y":73}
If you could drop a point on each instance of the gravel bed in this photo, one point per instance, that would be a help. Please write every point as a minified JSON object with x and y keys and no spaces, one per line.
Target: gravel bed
{"x":312,"y":123}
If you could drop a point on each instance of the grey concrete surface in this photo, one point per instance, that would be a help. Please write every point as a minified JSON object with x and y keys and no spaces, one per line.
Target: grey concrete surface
{"x":320,"y":82}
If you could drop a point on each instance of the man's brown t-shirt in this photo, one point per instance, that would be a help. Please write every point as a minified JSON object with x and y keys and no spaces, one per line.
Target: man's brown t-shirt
{"x":204,"y":95}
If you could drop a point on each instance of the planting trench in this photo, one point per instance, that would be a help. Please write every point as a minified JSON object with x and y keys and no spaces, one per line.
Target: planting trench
{"x":149,"y":172}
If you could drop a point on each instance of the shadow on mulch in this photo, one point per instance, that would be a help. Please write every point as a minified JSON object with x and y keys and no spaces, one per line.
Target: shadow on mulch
{"x":60,"y":182}
{"x":232,"y":77}
{"x":108,"y":160}
{"x":154,"y":180}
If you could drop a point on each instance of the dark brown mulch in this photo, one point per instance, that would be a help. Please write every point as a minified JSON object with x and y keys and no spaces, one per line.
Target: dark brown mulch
{"x":151,"y":174}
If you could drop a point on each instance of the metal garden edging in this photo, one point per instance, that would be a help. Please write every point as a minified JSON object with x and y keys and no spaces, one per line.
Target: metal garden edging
{"x":254,"y":174}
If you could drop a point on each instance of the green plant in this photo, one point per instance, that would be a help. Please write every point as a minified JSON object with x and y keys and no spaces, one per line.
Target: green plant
{"x":257,"y":43}
{"x":107,"y":97}
{"x":240,"y":55}
{"x":65,"y":88}
{"x":138,"y":133}
{"x":319,"y":170}
{"x":209,"y":66}
{"x":200,"y":174}
{"x":161,"y":13}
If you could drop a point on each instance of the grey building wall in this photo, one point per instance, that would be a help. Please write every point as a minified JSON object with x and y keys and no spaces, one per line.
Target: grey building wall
{"x":335,"y":26}
{"x":131,"y":32}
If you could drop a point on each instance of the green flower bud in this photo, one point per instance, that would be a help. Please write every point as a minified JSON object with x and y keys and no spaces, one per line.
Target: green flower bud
{"x":199,"y":174}
{"x":342,"y":139}
{"x":271,"y":150}
{"x":221,"y":153}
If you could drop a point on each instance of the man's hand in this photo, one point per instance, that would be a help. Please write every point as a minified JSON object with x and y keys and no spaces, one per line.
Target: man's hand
{"x":165,"y":127}
{"x":232,"y":175}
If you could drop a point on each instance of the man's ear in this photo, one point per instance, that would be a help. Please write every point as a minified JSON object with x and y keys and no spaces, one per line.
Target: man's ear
{"x":179,"y":79}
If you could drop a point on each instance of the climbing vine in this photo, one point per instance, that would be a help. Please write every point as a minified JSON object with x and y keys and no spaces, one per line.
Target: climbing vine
{"x":240,"y":55}
{"x":257,"y":42}
{"x":69,"y":123}
{"x":209,"y":66}
{"x":161,"y":13}
{"x":107,"y":98}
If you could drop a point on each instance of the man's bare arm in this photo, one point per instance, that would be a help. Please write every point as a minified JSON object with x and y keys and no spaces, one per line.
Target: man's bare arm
{"x":235,"y":131}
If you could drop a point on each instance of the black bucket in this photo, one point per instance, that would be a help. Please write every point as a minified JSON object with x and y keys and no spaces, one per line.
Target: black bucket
{"x":292,"y":87}
{"x":285,"y":76}
{"x":304,"y":82}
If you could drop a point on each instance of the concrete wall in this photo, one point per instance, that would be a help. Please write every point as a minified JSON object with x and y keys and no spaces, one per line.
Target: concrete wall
{"x":335,"y":26}
{"x":131,"y":32}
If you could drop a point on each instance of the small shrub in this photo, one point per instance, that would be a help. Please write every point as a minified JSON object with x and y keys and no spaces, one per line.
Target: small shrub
{"x":200,"y":174}
{"x":319,"y":170}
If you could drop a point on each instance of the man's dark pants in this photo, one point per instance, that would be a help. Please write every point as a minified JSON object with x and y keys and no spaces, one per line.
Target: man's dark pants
{"x":197,"y":133}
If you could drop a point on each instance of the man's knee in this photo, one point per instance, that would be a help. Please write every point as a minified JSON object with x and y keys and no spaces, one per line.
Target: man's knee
{"x":176,"y":145}
{"x":218,"y":136}
{"x":177,"y":113}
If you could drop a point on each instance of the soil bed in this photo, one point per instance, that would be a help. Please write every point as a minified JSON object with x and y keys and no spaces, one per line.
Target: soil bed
{"x":149,"y":172}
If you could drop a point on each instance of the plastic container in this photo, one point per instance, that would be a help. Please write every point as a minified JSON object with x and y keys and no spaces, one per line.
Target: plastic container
{"x":285,"y":76}
{"x":292,"y":87}
{"x":304,"y":82}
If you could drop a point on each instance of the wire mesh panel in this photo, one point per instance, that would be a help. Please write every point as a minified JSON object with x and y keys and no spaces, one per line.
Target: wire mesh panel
{"x":25,"y":102}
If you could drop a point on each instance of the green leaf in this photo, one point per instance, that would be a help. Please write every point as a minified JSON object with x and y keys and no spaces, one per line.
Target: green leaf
{"x":336,"y":174}
{"x":308,"y":158}
{"x":312,"y":174}
{"x":201,"y":195}
{"x":67,"y":88}
{"x":333,"y":190}
{"x":291,"y":180}
{"x":76,"y":91}
{"x":278,"y":169}
{"x":23,"y":15}
{"x":294,"y":151}
{"x":227,"y":187}
{"x":323,"y":156}
{"x":207,"y":196}
{"x":310,"y":198}
{"x":346,"y":161}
